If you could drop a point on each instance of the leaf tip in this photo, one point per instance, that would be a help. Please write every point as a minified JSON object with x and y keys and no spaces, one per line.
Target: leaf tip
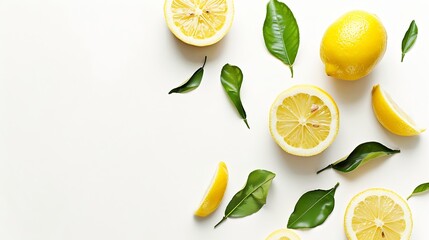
{"x":247,"y":124}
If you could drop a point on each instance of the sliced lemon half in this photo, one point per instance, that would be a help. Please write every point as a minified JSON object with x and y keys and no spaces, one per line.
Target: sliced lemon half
{"x":199,"y":22}
{"x":391,"y":116}
{"x":283,"y":234}
{"x":378,"y":214}
{"x":215,"y":192}
{"x":304,"y":120}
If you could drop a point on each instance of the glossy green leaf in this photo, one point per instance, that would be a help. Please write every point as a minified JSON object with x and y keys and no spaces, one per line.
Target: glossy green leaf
{"x":409,"y":38}
{"x":252,"y":197}
{"x":193,"y":82}
{"x":360,"y":155}
{"x":281,"y":33}
{"x":424,"y":187}
{"x":231,"y":78}
{"x":313,"y":208}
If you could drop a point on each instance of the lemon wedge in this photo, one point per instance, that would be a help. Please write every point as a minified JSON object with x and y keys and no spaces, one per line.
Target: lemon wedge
{"x":378,"y":214}
{"x":215,"y":192}
{"x":283,"y":234}
{"x":304,"y":120}
{"x":199,"y":22}
{"x":391,"y":116}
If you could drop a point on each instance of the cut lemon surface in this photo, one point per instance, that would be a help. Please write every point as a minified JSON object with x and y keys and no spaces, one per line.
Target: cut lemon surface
{"x":391,"y":116}
{"x":378,"y":214}
{"x":215,"y":192}
{"x":304,"y":120}
{"x":199,"y":22}
{"x":283,"y":234}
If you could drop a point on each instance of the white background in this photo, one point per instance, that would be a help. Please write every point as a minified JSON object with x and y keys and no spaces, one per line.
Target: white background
{"x":93,"y":147}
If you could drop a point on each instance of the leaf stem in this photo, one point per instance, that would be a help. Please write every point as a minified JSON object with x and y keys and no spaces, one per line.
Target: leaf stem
{"x":328,"y":167}
{"x":205,"y":60}
{"x":403,"y":55}
{"x":247,"y":124}
{"x":291,"y":70}
{"x":221,"y":221}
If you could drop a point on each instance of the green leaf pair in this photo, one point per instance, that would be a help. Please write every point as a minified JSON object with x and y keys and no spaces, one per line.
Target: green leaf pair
{"x":252,"y":197}
{"x":231,"y":78}
{"x":361,"y":155}
{"x":281,"y":33}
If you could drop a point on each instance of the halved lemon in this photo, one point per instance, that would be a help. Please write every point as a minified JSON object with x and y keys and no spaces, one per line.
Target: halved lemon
{"x":304,"y":120}
{"x":283,"y":234}
{"x":199,"y":22}
{"x":391,"y":116}
{"x":215,"y":192}
{"x":378,"y":214}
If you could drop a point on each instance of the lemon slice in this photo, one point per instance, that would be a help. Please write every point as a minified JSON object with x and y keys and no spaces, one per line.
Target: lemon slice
{"x":391,"y":116}
{"x":283,"y":234}
{"x":304,"y":120}
{"x":199,"y":22}
{"x":378,"y":214}
{"x":214,"y":194}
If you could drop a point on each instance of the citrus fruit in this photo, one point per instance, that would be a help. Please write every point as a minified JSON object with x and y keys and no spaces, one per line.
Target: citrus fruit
{"x":283,"y":234}
{"x":199,"y":22}
{"x":378,"y":214}
{"x":391,"y":116}
{"x":214,"y":194}
{"x":304,"y":120}
{"x":353,"y":45}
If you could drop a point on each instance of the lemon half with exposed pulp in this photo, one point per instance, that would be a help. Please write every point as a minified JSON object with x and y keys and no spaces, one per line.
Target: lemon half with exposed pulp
{"x":199,"y":22}
{"x":391,"y":116}
{"x":353,"y":45}
{"x":304,"y":120}
{"x":283,"y":234}
{"x":378,"y":214}
{"x":215,"y":192}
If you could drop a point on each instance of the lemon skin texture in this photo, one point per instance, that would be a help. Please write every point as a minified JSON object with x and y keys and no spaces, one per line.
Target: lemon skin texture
{"x":353,"y":45}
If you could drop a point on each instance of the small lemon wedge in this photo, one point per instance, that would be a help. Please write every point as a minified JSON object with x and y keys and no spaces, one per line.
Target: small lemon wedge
{"x":304,"y":120}
{"x":283,"y":234}
{"x":215,"y":192}
{"x":378,"y":214}
{"x":199,"y":22}
{"x":391,"y":116}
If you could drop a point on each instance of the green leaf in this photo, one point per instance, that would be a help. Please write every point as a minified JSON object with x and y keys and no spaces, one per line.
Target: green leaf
{"x":360,"y":155}
{"x":192,"y":82}
{"x":313,"y":208}
{"x":281,"y":33}
{"x":409,"y":38}
{"x":252,"y":197}
{"x":424,"y":187}
{"x":231,"y":78}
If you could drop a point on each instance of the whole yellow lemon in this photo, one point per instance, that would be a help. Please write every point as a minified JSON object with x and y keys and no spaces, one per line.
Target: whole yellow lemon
{"x":353,"y":45}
